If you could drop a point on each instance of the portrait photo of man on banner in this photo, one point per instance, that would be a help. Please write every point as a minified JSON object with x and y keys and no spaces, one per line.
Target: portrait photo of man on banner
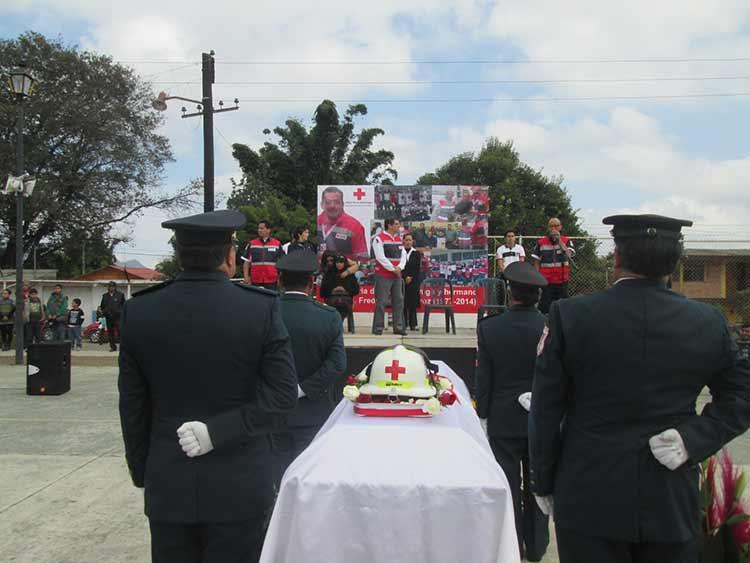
{"x":344,"y":212}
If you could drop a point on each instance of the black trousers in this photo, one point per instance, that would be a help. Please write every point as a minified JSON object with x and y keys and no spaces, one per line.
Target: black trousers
{"x":6,"y":335}
{"x":288,"y":445}
{"x":550,"y":293}
{"x":113,"y":324}
{"x":33,"y":332}
{"x":532,"y":526}
{"x":578,"y":548}
{"x":411,"y":304}
{"x":226,"y":542}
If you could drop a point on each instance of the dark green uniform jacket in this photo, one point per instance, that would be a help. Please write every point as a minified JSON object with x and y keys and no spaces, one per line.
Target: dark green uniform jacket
{"x":201,"y":348}
{"x":618,"y":367}
{"x":319,"y":356}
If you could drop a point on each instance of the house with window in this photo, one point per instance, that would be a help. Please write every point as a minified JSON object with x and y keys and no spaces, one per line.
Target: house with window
{"x":713,"y":275}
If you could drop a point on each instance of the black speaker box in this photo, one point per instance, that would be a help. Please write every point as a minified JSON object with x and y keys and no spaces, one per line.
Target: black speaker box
{"x":48,"y":368}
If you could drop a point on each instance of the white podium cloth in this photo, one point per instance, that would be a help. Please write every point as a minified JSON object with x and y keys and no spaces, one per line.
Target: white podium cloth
{"x":386,"y":490}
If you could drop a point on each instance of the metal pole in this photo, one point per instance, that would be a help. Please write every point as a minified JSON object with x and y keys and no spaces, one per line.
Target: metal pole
{"x":19,"y":239}
{"x":208,"y":132}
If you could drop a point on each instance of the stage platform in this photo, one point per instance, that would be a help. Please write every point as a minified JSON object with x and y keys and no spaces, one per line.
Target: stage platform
{"x":458,"y":350}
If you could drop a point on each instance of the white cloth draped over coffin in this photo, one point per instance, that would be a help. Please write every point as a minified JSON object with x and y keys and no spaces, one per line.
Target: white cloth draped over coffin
{"x":386,"y":490}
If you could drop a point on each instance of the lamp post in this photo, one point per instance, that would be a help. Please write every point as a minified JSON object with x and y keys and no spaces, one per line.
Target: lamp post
{"x":21,"y":82}
{"x":207,"y":111}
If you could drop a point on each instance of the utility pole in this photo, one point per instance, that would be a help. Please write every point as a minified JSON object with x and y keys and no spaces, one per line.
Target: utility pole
{"x":207,"y":111}
{"x":209,"y":77}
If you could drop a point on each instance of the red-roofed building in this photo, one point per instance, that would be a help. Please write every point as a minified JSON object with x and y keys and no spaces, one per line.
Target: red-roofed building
{"x":123,"y":272}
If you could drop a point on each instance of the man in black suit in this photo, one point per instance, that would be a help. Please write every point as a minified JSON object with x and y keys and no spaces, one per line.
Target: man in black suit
{"x":507,"y":346}
{"x":220,"y":384}
{"x":614,"y":437}
{"x":319,"y":356}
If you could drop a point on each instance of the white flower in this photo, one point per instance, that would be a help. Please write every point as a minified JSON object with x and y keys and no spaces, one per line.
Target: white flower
{"x":362,"y":377}
{"x":444,"y":383}
{"x":351,"y":392}
{"x":432,"y":406}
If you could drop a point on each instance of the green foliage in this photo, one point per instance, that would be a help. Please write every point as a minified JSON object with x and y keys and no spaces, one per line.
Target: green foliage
{"x":741,"y":305}
{"x":282,"y":215}
{"x":330,"y":152}
{"x":90,"y":138}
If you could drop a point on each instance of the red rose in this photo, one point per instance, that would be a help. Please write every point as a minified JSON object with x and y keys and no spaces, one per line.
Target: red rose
{"x":351,"y":380}
{"x":447,"y":398}
{"x":364,"y":398}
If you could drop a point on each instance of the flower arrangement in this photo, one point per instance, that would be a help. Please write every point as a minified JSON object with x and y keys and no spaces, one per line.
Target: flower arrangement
{"x":725,"y":521}
{"x":445,"y":394}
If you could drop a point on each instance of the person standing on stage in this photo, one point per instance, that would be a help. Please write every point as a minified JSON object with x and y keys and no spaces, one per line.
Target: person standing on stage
{"x":412,"y":275}
{"x":614,"y":437}
{"x":509,"y":252}
{"x":338,"y":231}
{"x":206,"y":374}
{"x":506,"y":355}
{"x":552,"y":256}
{"x":390,"y":259}
{"x":319,"y":357}
{"x":300,"y":241}
{"x":111,"y":307}
{"x":261,"y":255}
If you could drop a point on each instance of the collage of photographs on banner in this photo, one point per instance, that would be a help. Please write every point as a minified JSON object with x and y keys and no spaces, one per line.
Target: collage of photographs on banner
{"x":448,"y":224}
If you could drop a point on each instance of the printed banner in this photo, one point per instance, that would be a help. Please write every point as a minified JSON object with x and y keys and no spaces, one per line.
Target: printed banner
{"x":344,"y":212}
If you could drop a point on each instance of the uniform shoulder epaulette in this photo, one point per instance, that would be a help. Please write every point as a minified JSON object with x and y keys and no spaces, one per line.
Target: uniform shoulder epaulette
{"x":151,"y":289}
{"x":256,"y":289}
{"x":325,"y":307}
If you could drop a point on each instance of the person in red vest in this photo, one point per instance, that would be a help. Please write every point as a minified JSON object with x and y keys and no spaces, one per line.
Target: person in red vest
{"x":338,"y":231}
{"x":390,"y":259}
{"x":261,"y":255}
{"x":552,"y":256}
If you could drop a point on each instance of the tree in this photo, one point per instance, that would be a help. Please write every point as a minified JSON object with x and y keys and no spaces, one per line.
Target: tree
{"x":524,"y":199}
{"x":330,"y":152}
{"x":89,"y":138}
{"x":282,"y":214}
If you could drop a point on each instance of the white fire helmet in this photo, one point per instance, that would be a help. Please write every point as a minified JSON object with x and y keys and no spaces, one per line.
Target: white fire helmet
{"x":399,"y":371}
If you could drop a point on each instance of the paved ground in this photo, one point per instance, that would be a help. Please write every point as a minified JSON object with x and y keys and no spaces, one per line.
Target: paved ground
{"x":65,"y":494}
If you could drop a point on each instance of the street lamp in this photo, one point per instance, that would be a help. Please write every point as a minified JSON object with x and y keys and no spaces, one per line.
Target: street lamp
{"x":207,"y":111}
{"x":21,"y":82}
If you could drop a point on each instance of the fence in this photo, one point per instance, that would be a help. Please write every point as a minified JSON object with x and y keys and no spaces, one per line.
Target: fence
{"x":713,"y":270}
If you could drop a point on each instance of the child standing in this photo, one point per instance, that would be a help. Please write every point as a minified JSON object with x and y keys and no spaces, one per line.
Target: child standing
{"x":75,"y":321}
{"x":35,"y":314}
{"x":7,"y":310}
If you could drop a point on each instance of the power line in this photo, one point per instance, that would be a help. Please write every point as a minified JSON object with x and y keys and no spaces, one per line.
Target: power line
{"x":223,"y":137}
{"x":456,"y":61}
{"x":448,"y":82}
{"x":491,"y":100}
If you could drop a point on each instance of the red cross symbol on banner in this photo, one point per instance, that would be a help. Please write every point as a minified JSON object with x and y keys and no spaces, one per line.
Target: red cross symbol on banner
{"x":395,"y":370}
{"x":359,"y":194}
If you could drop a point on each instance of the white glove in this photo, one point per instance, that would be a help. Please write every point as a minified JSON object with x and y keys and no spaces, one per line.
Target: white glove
{"x":194,"y":439}
{"x":300,"y":392}
{"x":669,"y":449}
{"x":483,"y":423}
{"x":525,"y":400}
{"x":545,"y":504}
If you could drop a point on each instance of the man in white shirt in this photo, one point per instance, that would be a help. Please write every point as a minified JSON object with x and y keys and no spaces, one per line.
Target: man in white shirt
{"x":509,"y":252}
{"x":390,"y":259}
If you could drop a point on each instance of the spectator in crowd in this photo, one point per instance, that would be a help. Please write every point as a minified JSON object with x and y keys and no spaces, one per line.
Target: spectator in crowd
{"x":35,"y":314}
{"x":552,"y":256}
{"x":76,"y":317}
{"x":300,"y":241}
{"x":57,"y":310}
{"x":432,"y":240}
{"x":412,"y":275}
{"x":111,"y":306}
{"x":390,"y":260}
{"x":261,"y":255}
{"x":7,"y":316}
{"x":508,"y":252}
{"x":339,"y":287}
{"x":337,"y":230}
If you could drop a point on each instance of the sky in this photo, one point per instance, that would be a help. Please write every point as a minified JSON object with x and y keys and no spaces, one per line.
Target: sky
{"x":640,"y":106}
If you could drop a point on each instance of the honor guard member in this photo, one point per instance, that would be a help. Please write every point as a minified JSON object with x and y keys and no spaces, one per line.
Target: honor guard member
{"x":507,"y":346}
{"x":206,"y":366}
{"x":615,"y":441}
{"x":319,"y":356}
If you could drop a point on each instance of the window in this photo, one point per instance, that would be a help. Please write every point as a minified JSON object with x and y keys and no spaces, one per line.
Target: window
{"x":694,"y":272}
